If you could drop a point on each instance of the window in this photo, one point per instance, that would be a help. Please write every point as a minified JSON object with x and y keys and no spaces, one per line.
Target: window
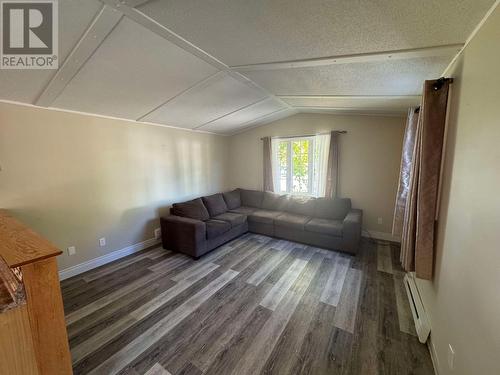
{"x":299,"y":165}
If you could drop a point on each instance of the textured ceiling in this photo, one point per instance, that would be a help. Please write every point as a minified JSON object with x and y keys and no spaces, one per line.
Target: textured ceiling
{"x":398,"y":77}
{"x":241,"y":32}
{"x":174,"y":62}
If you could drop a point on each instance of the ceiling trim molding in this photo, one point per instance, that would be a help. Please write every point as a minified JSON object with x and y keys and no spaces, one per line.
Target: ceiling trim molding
{"x":445,"y":50}
{"x":157,"y":28}
{"x":204,"y":82}
{"x":355,"y":97}
{"x":56,"y":109}
{"x":99,"y":29}
{"x":232,"y":112}
{"x":257,"y":122}
{"x":353,"y":110}
{"x":471,"y":36}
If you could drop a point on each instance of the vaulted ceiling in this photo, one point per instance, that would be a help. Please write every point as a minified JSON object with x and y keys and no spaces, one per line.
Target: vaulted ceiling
{"x":226,"y":65}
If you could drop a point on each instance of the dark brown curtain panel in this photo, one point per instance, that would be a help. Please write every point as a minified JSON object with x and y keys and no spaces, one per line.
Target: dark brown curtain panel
{"x":433,"y":114}
{"x":267,"y":167}
{"x":417,"y":241}
{"x":332,"y":172}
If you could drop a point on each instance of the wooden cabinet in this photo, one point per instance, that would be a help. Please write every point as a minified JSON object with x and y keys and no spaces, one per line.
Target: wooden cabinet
{"x":33,"y":337}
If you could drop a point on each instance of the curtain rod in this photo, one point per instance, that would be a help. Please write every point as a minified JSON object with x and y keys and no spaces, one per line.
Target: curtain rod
{"x":306,"y":135}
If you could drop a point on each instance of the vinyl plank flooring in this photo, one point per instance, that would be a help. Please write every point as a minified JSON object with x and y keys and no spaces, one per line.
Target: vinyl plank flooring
{"x":345,"y":316}
{"x":278,"y":291}
{"x":331,"y":293}
{"x":256,"y":305}
{"x":157,"y":369}
{"x":119,"y":360}
{"x":405,"y":317}
{"x":285,"y":358}
{"x":384,"y":258}
{"x":269,"y":266}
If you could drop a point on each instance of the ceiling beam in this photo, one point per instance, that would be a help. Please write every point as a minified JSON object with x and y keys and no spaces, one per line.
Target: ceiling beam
{"x":446,"y":50}
{"x":98,"y":30}
{"x":179,"y":41}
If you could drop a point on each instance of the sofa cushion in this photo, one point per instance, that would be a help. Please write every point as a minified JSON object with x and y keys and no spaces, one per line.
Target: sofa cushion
{"x":216,"y":227}
{"x":244,"y":210}
{"x":325,"y":226}
{"x":252,"y":198}
{"x":274,"y":201}
{"x":215,"y":204}
{"x":193,"y":209}
{"x":232,"y":199}
{"x":232,"y":218}
{"x":333,"y":209}
{"x":264,"y":216}
{"x":301,"y":205}
{"x":292,"y":221}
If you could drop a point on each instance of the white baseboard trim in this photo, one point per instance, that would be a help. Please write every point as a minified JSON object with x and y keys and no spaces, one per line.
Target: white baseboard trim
{"x":380,"y":235}
{"x":107,"y":258}
{"x":434,"y":357}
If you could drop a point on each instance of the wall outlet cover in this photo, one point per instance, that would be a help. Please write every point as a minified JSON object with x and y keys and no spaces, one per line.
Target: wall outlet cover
{"x":157,"y":233}
{"x":379,"y":220}
{"x":102,"y":242}
{"x":71,"y":250}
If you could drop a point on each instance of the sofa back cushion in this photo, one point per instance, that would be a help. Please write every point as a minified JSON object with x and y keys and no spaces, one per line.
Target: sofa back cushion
{"x":251,"y":198}
{"x":215,"y":204}
{"x":301,"y":205}
{"x":193,"y":209}
{"x":333,"y":209}
{"x":232,"y":199}
{"x":274,"y":201}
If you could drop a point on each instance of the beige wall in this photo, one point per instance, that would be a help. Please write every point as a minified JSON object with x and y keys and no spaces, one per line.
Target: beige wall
{"x":370,"y":154}
{"x":75,"y":178}
{"x":463,"y":301}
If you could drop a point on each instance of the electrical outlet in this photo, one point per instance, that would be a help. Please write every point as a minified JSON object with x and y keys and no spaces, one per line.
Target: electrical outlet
{"x":157,"y":233}
{"x":102,"y":242}
{"x":71,"y":250}
{"x":379,"y":220}
{"x":451,"y":357}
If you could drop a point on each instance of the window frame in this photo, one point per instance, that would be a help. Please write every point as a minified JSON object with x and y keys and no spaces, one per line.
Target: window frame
{"x":289,"y":164}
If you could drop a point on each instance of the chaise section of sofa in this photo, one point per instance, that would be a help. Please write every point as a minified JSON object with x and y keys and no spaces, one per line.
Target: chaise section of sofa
{"x":200,"y":225}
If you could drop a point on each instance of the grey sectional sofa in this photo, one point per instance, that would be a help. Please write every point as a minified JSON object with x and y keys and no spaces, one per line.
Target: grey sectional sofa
{"x":195,"y":227}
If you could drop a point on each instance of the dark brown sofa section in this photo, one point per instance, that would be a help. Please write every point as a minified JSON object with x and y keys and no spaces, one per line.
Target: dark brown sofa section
{"x":195,"y":227}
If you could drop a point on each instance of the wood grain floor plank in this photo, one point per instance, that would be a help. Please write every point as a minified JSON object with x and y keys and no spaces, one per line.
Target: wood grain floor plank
{"x":384,"y":258}
{"x":405,"y":317}
{"x":227,"y":359}
{"x":285,"y":358}
{"x":345,"y":316}
{"x":157,"y":369}
{"x":111,"y":331}
{"x":269,"y":266}
{"x":131,"y":351}
{"x":333,"y":288}
{"x":264,"y":342}
{"x":278,"y":291}
{"x":170,"y":262}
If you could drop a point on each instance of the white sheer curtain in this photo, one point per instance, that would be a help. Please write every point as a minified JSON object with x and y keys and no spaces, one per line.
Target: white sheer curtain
{"x":320,"y":163}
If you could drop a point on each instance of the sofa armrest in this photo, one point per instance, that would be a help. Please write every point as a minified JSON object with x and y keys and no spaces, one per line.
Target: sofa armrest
{"x":352,"y":230}
{"x":183,"y":234}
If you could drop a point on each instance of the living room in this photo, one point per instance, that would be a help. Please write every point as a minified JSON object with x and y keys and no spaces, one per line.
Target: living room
{"x":250,"y":187}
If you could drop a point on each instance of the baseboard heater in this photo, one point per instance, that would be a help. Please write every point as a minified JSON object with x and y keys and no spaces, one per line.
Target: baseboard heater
{"x":422,"y":325}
